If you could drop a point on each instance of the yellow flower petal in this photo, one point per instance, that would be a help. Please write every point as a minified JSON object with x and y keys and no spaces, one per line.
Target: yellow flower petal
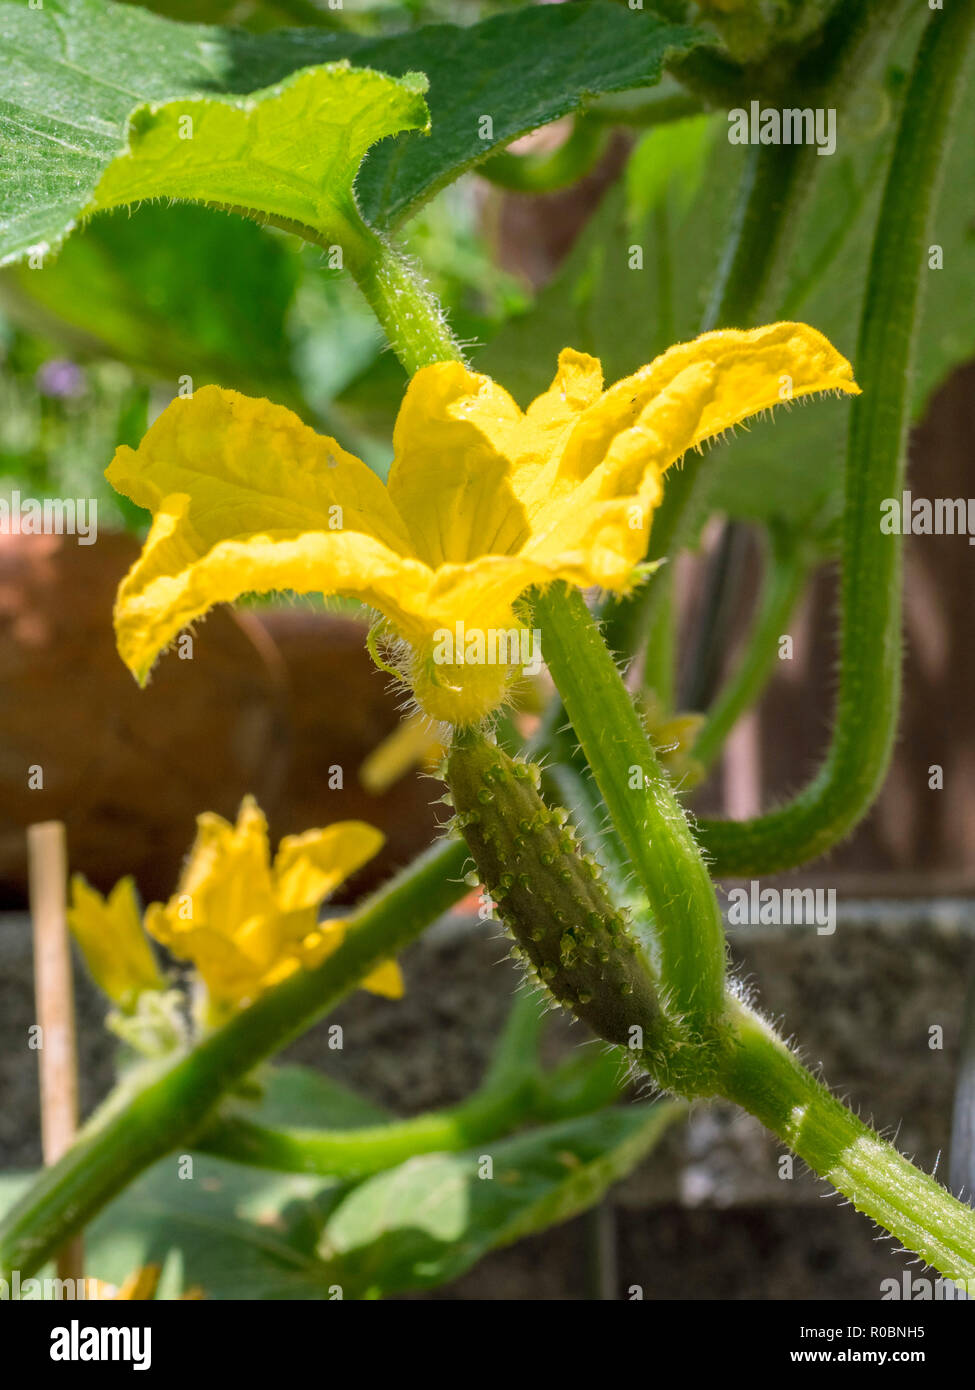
{"x":229,"y":974}
{"x":454,"y":438}
{"x":307,"y":868}
{"x":385,"y":980}
{"x":226,"y":879}
{"x":139,"y":1286}
{"x":577,"y":384}
{"x":737,"y":374}
{"x":470,"y":469}
{"x":319,"y":944}
{"x":247,"y":498}
{"x":110,"y":936}
{"x":484,"y":500}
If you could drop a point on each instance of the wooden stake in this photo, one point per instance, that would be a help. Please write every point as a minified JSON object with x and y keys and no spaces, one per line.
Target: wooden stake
{"x":54,"y":996}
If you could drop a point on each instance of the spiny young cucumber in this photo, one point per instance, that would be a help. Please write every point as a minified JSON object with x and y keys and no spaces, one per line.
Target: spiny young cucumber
{"x":551,"y":897}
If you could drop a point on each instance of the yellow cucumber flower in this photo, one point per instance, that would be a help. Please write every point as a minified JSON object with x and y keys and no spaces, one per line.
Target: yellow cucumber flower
{"x":247,"y":924}
{"x":484,"y":500}
{"x":110,"y":936}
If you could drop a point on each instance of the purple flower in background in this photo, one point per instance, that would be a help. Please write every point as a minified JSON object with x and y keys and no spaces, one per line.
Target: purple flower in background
{"x":61,"y":378}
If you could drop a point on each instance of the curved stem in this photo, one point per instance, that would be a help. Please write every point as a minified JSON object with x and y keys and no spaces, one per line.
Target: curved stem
{"x":711,"y":77}
{"x":764,"y":1077}
{"x":132,"y":1130}
{"x":357,"y":1153}
{"x":651,"y":824}
{"x":788,"y":569}
{"x":870,"y":642}
{"x":514,"y":1092}
{"x":546,"y":173}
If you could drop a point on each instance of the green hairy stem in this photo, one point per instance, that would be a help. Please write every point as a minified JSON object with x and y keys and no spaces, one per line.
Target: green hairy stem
{"x":408,"y":313}
{"x":764,"y":1077}
{"x":502,"y":1105}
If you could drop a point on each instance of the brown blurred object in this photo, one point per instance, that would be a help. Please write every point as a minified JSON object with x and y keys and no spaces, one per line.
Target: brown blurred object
{"x":128,"y":770}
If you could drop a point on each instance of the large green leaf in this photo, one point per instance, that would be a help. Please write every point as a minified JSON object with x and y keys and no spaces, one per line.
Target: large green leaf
{"x":427,"y":1221}
{"x":523,"y":70}
{"x":232,"y":1232}
{"x":235,"y":1232}
{"x":289,"y":152}
{"x":94,"y":96}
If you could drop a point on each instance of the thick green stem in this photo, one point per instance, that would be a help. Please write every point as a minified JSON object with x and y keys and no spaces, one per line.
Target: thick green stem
{"x":648,"y":818}
{"x":870,"y":643}
{"x":788,"y":569}
{"x":504,"y":1099}
{"x":408,"y":313}
{"x":132,"y":1130}
{"x":764,"y":1077}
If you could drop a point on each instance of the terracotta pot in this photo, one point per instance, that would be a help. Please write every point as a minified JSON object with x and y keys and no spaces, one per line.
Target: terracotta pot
{"x":267,"y":705}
